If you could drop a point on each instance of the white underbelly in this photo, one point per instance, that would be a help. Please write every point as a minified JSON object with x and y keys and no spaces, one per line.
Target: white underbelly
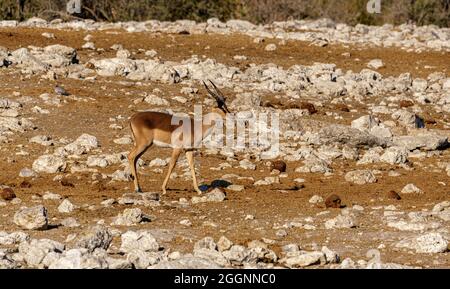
{"x":179,"y":145}
{"x":162,"y":144}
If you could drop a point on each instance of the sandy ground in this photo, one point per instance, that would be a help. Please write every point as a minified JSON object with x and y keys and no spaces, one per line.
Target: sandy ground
{"x":270,"y":205}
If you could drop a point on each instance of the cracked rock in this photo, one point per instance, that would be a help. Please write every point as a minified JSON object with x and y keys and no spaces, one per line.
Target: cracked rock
{"x":34,"y":218}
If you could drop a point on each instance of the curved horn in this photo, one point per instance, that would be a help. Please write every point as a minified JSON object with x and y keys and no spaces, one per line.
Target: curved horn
{"x":213,"y":94}
{"x":218,"y":92}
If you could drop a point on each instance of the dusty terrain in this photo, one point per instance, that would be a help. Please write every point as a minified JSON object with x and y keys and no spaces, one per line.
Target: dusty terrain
{"x":96,"y":103}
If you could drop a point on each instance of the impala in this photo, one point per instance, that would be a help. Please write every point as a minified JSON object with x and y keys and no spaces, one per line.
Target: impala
{"x":156,"y":128}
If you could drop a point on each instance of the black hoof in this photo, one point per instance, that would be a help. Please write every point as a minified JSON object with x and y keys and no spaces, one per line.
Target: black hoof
{"x":138,"y":191}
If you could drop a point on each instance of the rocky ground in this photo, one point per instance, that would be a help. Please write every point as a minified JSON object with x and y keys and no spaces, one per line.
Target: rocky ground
{"x":365,"y":118}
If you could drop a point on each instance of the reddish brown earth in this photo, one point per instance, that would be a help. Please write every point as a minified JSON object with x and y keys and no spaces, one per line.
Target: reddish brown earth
{"x":276,"y":204}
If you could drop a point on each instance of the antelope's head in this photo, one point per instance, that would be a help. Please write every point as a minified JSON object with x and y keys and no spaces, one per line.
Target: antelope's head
{"x":218,"y":96}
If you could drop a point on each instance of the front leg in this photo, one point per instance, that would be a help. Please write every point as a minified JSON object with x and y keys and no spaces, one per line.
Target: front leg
{"x":190,"y":158}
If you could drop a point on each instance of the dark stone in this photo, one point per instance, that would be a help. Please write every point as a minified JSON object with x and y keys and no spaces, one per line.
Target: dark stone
{"x":333,"y":201}
{"x":342,"y":107}
{"x":25,"y":185}
{"x":220,"y":184}
{"x":66,"y":183}
{"x":7,"y":194}
{"x":203,"y":188}
{"x":406,"y":103}
{"x":308,"y":106}
{"x":278,"y":165}
{"x":393,"y":195}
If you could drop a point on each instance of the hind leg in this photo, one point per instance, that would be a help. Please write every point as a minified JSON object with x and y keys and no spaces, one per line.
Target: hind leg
{"x":133,"y":158}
